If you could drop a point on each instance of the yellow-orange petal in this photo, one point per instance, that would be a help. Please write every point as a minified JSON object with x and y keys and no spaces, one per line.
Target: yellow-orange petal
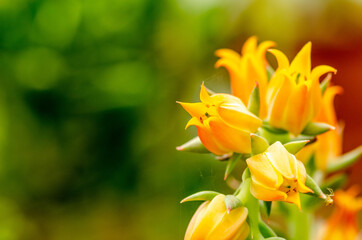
{"x":194,"y":121}
{"x":281,"y":160}
{"x":230,"y":138}
{"x":301,"y":177}
{"x":210,"y":142}
{"x":328,"y":114}
{"x":194,"y":109}
{"x":278,"y":96}
{"x":296,"y":111}
{"x":262,"y":170}
{"x":263,"y":47}
{"x":320,"y":70}
{"x":239,"y":117}
{"x":282,"y":60}
{"x":204,"y":95}
{"x":249,"y":45}
{"x":228,"y":54}
{"x":213,"y":213}
{"x":302,"y":62}
{"x":229,"y":225}
{"x":196,"y":218}
{"x":294,"y":197}
{"x":260,"y":192}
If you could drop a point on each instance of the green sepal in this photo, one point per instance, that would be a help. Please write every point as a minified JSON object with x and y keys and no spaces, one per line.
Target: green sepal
{"x":325,"y":83}
{"x":334,"y":182}
{"x":317,"y":191}
{"x":201,"y":196}
{"x":295,"y":146}
{"x":258,"y":144}
{"x":246,"y":174}
{"x":265,"y":230}
{"x":194,"y":145}
{"x":270,"y":72}
{"x":270,"y":128}
{"x":254,"y":101}
{"x":268,"y":205}
{"x":316,"y":128}
{"x":232,"y":202}
{"x":275,"y":238}
{"x":273,"y":136}
{"x":345,"y":160}
{"x":231,"y":164}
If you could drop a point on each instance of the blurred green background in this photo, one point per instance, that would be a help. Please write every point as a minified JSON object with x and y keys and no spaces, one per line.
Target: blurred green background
{"x":88,"y":119}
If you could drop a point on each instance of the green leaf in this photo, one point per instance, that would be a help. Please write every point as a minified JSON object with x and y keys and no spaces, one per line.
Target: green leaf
{"x":295,"y":146}
{"x":231,"y":202}
{"x":317,"y":191}
{"x":194,"y":145}
{"x":258,"y":144}
{"x":268,"y":205}
{"x":201,"y":196}
{"x":316,"y":128}
{"x":345,"y":160}
{"x":325,"y":83}
{"x":231,"y":164}
{"x":254,"y":101}
{"x":246,"y":174}
{"x":265,"y":230}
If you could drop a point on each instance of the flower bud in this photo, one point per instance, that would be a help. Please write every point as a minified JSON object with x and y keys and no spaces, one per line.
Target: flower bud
{"x":212,"y":221}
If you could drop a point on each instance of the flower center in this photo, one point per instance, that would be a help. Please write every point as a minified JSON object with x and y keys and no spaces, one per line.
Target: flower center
{"x":289,"y":186}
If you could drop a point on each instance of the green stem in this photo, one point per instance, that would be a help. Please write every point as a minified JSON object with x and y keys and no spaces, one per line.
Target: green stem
{"x":252,"y":204}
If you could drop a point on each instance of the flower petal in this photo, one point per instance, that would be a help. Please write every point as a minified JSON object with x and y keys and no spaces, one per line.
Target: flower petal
{"x":195,"y":220}
{"x":263,"y":47}
{"x":204,"y":95}
{"x":228,"y":54}
{"x":283,"y":62}
{"x":194,"y":109}
{"x":249,"y":45}
{"x":302,"y":62}
{"x":293,"y":197}
{"x":213,"y":214}
{"x":229,"y":225}
{"x":230,"y":138}
{"x":318,"y":71}
{"x":194,"y":121}
{"x":301,"y":177}
{"x":210,"y":142}
{"x":262,"y":170}
{"x":262,"y":193}
{"x":282,"y":160}
{"x":238,"y":116}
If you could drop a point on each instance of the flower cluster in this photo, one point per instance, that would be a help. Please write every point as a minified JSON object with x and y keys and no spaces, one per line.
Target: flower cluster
{"x":283,"y":125}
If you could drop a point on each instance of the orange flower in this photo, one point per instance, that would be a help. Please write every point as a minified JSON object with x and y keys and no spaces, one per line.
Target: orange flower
{"x":343,"y":222}
{"x":246,"y":70}
{"x":211,"y":221}
{"x":223,"y":122}
{"x":328,"y":145}
{"x":294,"y":95}
{"x":276,"y":175}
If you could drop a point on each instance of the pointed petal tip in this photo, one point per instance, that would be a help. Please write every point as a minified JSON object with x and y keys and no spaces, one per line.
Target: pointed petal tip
{"x":180,"y":148}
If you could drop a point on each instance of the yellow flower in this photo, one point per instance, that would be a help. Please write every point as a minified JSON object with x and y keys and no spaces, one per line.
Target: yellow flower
{"x":343,"y":223}
{"x":328,"y":145}
{"x":294,"y":94}
{"x":223,"y":122}
{"x":211,"y":221}
{"x":246,"y":70}
{"x":276,"y":175}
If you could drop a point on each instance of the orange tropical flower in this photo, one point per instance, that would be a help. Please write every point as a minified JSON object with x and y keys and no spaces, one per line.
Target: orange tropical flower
{"x":276,"y":175}
{"x":212,"y":221}
{"x":247,"y":69}
{"x":328,"y":145}
{"x":343,"y":223}
{"x":294,"y":94}
{"x":223,"y":122}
